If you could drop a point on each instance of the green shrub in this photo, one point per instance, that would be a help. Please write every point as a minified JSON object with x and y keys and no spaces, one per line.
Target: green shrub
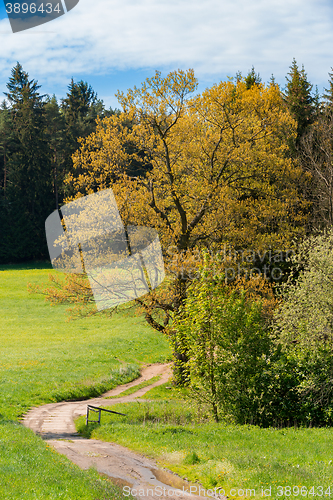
{"x":250,"y":373}
{"x":227,"y":344}
{"x":303,"y":331}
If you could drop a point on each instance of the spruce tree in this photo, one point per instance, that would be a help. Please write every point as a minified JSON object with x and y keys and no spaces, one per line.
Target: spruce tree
{"x":299,"y":100}
{"x":56,"y":137}
{"x":6,"y":144}
{"x":80,"y":108}
{"x":252,"y":78}
{"x":272,"y":81}
{"x":328,"y":96}
{"x":29,"y":184}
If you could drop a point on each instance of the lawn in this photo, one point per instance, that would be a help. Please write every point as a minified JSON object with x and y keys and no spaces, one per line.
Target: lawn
{"x":44,"y":358}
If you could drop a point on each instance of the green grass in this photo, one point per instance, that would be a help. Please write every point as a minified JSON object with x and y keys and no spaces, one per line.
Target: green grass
{"x":132,"y":390}
{"x":30,"y":470}
{"x":44,"y":358}
{"x":216,"y":455}
{"x":166,"y":392}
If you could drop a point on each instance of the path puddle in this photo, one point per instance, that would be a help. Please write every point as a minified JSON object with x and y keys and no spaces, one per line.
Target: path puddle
{"x":117,"y":480}
{"x":178,"y":483}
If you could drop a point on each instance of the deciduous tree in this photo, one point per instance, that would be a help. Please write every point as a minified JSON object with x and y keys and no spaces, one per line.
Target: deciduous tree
{"x":227,"y":345}
{"x":316,"y":157}
{"x":303,"y":328}
{"x":218,"y":172}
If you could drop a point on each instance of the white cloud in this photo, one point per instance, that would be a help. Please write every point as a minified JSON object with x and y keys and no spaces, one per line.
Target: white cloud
{"x":215,"y":37}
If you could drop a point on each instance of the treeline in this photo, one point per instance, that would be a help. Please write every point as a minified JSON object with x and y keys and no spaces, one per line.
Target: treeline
{"x":38,"y":136}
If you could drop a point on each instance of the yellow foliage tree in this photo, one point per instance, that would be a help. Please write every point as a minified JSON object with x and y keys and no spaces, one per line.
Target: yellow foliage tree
{"x":216,"y":168}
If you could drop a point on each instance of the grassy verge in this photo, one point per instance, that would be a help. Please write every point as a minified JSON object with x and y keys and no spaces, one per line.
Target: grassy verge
{"x":44,"y":358}
{"x":132,"y":390}
{"x":241,"y":460}
{"x":30,"y":470}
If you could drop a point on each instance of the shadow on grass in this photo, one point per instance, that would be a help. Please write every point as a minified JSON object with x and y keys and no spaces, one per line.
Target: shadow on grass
{"x":87,"y":430}
{"x":23,"y":266}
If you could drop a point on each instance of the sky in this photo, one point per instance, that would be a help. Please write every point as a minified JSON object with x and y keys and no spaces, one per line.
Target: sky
{"x":116,"y":44}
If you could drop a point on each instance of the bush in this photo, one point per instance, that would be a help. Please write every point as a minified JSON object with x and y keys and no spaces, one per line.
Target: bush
{"x":248,"y":371}
{"x":227,"y":345}
{"x":303,"y":330}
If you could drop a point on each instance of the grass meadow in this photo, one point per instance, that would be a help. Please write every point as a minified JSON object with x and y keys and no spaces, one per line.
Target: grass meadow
{"x":241,"y":461}
{"x":44,"y":358}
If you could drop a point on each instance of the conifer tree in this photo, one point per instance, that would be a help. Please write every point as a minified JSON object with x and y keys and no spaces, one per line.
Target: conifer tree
{"x":272,"y":80}
{"x":80,"y":109}
{"x":252,"y":78}
{"x":299,"y":100}
{"x":328,"y":96}
{"x":6,"y":142}
{"x":29,"y":183}
{"x":56,"y":137}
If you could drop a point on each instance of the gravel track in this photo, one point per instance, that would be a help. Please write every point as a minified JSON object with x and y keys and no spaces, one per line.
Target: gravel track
{"x":55,"y":424}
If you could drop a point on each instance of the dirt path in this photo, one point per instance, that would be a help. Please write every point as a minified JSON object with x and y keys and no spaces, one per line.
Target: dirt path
{"x":55,"y":423}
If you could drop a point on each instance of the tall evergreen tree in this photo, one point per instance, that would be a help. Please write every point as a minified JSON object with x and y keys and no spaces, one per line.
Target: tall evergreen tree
{"x":252,"y":78}
{"x":299,"y":99}
{"x":317,"y":103}
{"x":80,"y":109}
{"x":56,"y":136}
{"x":6,"y":144}
{"x":328,"y":96}
{"x":29,"y":187}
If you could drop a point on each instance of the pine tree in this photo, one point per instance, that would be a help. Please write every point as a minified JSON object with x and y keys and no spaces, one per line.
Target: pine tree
{"x":252,"y":78}
{"x":328,"y":96}
{"x":56,"y":136}
{"x":6,"y":143}
{"x":317,"y":103}
{"x":80,"y":109}
{"x":299,"y":100}
{"x":21,"y":89}
{"x":272,"y":81}
{"x":29,"y":183}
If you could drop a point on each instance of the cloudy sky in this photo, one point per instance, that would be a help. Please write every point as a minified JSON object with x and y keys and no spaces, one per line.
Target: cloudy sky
{"x":116,"y":44}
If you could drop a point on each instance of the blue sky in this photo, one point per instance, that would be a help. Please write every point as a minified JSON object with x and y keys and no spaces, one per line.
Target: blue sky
{"x":116,"y":44}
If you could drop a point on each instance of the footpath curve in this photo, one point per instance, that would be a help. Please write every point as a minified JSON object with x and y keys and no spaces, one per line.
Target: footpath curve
{"x":55,"y":424}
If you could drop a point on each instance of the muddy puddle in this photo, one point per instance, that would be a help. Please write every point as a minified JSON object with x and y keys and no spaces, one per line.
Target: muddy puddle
{"x":178,"y":483}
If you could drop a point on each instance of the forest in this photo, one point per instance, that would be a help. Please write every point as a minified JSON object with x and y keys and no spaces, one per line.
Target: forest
{"x":38,"y":137}
{"x":238,"y":182}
